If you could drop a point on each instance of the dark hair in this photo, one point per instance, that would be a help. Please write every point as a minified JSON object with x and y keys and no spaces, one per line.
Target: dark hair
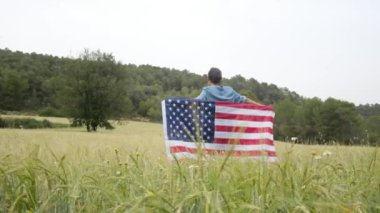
{"x":215,"y":75}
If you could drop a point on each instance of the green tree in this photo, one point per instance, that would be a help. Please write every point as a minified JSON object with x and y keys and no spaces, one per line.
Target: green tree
{"x":94,"y":90}
{"x":372,"y":130}
{"x":287,"y":119}
{"x":340,"y":121}
{"x":311,"y":119}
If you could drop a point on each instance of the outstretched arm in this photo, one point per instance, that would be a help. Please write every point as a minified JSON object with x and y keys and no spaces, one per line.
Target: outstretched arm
{"x":249,"y":101}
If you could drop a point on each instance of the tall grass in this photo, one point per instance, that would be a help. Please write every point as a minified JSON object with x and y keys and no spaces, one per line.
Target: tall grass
{"x":126,"y":170}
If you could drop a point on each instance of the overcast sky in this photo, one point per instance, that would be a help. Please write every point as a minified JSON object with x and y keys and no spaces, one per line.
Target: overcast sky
{"x":323,"y":48}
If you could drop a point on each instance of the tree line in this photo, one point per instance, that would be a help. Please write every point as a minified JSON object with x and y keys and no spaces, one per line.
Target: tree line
{"x":94,"y":87}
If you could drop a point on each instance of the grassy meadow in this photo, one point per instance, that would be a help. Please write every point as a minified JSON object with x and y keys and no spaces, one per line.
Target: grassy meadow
{"x":126,"y":170}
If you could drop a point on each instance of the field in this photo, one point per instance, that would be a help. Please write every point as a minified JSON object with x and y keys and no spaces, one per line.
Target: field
{"x":70,"y":170}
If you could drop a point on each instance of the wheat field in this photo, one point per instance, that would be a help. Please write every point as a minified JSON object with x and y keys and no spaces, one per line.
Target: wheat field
{"x":126,"y":170}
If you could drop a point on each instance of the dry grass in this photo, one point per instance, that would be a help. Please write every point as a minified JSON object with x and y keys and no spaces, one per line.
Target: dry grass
{"x":126,"y":170}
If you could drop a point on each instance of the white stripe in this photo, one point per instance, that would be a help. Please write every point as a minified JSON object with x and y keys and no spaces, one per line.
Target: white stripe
{"x":264,"y":158}
{"x":181,"y":155}
{"x":238,"y":123}
{"x":239,"y":111}
{"x":241,"y":135}
{"x":216,"y":146}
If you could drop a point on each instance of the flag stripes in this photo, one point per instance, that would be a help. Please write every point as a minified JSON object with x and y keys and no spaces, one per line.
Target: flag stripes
{"x":238,"y":129}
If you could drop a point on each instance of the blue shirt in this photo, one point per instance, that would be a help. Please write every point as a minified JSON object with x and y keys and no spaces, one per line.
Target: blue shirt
{"x":220,"y":93}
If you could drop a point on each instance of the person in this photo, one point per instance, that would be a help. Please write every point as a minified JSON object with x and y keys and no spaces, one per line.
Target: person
{"x":215,"y":91}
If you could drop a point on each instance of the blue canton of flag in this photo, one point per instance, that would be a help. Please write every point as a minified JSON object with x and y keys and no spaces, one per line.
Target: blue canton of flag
{"x":188,"y":117}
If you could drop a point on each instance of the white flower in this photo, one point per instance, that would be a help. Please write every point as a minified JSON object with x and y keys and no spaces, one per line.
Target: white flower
{"x":327,"y":153}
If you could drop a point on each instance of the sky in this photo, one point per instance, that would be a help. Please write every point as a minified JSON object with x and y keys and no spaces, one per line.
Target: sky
{"x":317,"y":48}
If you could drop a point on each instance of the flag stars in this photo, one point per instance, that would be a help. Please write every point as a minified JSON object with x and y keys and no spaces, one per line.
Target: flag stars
{"x":187,"y":117}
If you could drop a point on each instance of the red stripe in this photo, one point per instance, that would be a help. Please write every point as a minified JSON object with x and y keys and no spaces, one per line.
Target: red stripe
{"x":244,"y":141}
{"x":240,"y":117}
{"x":244,"y":106}
{"x":176,"y":149}
{"x":243,"y":129}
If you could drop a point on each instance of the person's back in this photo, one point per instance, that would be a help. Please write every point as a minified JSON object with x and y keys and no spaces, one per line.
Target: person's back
{"x":216,"y":92}
{"x":220,"y":93}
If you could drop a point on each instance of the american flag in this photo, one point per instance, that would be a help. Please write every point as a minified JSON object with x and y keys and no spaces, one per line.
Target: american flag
{"x":216,"y":128}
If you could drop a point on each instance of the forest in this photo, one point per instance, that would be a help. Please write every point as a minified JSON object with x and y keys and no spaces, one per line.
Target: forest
{"x":95,"y":85}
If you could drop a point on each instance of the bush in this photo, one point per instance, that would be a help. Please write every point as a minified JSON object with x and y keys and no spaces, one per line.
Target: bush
{"x":2,"y":123}
{"x":27,"y":123}
{"x":49,"y":111}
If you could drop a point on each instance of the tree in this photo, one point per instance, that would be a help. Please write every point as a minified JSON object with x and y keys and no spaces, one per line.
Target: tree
{"x":340,"y":121}
{"x":372,"y":125}
{"x":94,"y":90}
{"x":287,"y":119}
{"x":12,"y":90}
{"x":311,"y":119}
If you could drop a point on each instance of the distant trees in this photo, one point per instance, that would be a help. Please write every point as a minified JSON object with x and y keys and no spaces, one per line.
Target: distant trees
{"x":287,"y":119}
{"x":372,"y":129}
{"x":340,"y":121}
{"x":94,"y":88}
{"x":13,"y":87}
{"x":311,"y":122}
{"x":317,"y":121}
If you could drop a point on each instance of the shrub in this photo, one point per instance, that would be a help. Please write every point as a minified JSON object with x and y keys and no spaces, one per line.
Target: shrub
{"x":27,"y":123}
{"x":49,"y":111}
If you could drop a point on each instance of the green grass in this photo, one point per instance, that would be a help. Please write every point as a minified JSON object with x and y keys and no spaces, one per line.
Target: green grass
{"x":70,"y":170}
